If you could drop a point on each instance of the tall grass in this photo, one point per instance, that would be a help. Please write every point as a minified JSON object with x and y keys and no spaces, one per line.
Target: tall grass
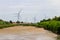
{"x":5,"y":24}
{"x":53,"y":26}
{"x":58,"y":37}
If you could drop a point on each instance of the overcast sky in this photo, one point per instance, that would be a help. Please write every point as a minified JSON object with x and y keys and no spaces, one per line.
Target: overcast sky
{"x":39,"y":9}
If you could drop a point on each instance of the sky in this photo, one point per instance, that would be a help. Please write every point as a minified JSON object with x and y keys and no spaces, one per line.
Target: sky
{"x":31,"y":9}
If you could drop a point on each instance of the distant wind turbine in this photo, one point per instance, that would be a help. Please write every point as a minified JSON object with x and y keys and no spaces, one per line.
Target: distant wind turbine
{"x":18,"y":15}
{"x":34,"y":19}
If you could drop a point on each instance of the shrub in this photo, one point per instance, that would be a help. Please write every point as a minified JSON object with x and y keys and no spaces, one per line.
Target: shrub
{"x":58,"y":37}
{"x":18,"y":22}
{"x":53,"y":26}
{"x":10,"y":21}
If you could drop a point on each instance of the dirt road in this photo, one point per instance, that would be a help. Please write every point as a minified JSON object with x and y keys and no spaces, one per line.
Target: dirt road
{"x":26,"y":33}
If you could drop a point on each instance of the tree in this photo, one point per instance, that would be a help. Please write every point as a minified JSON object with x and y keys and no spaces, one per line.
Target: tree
{"x":49,"y":19}
{"x":18,"y":22}
{"x":58,"y":30}
{"x":11,"y":21}
{"x":58,"y":18}
{"x":22,"y":22}
{"x":43,"y":20}
{"x":1,"y":20}
{"x":55,"y":18}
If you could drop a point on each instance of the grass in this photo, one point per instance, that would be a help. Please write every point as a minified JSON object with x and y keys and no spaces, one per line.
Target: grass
{"x":58,"y":38}
{"x":5,"y":24}
{"x":53,"y":26}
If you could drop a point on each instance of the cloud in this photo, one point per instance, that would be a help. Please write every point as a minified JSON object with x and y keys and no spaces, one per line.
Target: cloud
{"x":55,"y":3}
{"x":31,"y":7}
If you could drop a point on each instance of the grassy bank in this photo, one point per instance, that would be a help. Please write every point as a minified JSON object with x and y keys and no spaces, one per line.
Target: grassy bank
{"x":53,"y":26}
{"x":58,"y":37}
{"x":5,"y":24}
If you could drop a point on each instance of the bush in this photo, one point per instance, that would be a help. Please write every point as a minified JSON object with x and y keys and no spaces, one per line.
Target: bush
{"x":11,"y":21}
{"x":53,"y":26}
{"x":18,"y":22}
{"x":5,"y":24}
{"x":58,"y":37}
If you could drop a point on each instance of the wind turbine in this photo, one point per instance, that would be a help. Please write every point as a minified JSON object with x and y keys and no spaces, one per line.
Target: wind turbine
{"x":34,"y":19}
{"x":45,"y":16}
{"x":18,"y":15}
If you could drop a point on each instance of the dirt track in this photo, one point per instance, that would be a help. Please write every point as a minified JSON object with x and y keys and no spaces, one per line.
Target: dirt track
{"x":21,"y":30}
{"x":26,"y":33}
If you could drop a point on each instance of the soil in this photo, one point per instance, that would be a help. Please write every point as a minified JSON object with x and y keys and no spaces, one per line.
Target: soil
{"x":26,"y":33}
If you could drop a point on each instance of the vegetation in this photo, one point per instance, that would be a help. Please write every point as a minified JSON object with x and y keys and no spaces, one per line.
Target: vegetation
{"x":50,"y":24}
{"x":11,"y":21}
{"x":18,"y":22}
{"x":58,"y":38}
{"x":53,"y":26}
{"x":5,"y":24}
